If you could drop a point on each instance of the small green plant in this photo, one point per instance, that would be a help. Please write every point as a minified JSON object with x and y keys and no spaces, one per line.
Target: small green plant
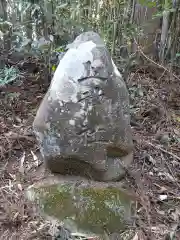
{"x":8,"y":75}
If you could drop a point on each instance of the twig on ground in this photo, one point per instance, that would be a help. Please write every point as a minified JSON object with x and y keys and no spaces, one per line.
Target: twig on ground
{"x":157,"y":64}
{"x":14,"y":135}
{"x":171,"y":172}
{"x":163,"y":150}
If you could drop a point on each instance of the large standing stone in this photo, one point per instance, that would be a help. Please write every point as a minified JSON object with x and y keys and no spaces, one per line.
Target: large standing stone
{"x":83,"y":122}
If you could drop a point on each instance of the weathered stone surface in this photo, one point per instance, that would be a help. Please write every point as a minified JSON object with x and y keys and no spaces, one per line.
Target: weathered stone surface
{"x":85,"y":207}
{"x":83,"y":122}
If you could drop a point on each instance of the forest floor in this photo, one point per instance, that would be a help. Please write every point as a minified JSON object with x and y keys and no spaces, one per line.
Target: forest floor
{"x":154,"y":175}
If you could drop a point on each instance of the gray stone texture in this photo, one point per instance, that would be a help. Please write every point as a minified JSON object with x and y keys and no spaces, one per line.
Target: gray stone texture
{"x":83,"y":123}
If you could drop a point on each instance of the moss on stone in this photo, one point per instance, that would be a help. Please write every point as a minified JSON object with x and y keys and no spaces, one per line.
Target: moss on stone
{"x":89,"y":208}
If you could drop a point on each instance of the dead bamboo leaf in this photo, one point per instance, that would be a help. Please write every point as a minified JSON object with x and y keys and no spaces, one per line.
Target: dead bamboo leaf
{"x":21,"y":168}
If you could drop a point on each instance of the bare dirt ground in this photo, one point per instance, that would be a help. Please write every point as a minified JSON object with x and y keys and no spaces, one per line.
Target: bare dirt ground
{"x":154,"y":176}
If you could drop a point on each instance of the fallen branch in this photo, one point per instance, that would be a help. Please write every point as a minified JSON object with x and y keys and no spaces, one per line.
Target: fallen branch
{"x":14,"y":136}
{"x":157,"y":64}
{"x":163,"y":150}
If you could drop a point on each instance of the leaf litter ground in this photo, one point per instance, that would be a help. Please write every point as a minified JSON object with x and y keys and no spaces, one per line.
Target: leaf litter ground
{"x":154,"y":175}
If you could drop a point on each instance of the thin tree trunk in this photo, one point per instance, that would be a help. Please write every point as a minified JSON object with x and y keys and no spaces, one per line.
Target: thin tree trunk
{"x":164,"y":35}
{"x":3,"y":9}
{"x":143,"y":17}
